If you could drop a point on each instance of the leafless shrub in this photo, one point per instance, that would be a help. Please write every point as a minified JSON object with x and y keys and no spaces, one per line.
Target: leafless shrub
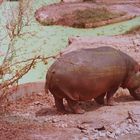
{"x":20,"y":18}
{"x":10,"y":71}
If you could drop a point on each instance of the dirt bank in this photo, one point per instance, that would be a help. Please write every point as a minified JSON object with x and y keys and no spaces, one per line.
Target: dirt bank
{"x":35,"y":118}
{"x":86,"y":14}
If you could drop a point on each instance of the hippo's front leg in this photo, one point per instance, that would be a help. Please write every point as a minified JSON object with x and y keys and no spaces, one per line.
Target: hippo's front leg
{"x":109,"y":97}
{"x":75,"y":107}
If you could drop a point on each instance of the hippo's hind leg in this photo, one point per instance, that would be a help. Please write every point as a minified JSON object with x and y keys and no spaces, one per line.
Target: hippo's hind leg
{"x":59,"y":104}
{"x":109,"y":97}
{"x":100,"y":99}
{"x":75,"y":107}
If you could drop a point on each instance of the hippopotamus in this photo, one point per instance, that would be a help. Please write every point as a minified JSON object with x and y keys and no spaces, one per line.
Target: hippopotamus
{"x":91,"y":73}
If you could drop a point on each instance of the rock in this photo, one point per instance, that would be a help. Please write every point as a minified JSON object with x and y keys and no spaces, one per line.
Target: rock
{"x":118,"y":132}
{"x":85,"y":132}
{"x":85,"y":138}
{"x":40,"y":94}
{"x":67,"y":1}
{"x":94,"y":131}
{"x":63,"y":125}
{"x":102,"y":134}
{"x":55,"y":120}
{"x":37,"y":103}
{"x":111,"y":135}
{"x":95,"y":136}
{"x":138,"y":126}
{"x":126,"y":131}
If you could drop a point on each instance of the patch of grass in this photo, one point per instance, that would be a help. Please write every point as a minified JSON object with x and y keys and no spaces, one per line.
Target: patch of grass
{"x":93,"y":15}
{"x":79,"y":18}
{"x":134,"y":30}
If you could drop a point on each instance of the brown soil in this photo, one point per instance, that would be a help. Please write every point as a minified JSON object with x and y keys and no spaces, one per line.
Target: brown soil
{"x":87,"y":14}
{"x":35,"y":118}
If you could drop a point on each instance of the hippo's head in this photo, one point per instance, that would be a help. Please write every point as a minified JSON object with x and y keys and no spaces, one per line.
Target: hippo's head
{"x":134,"y":85}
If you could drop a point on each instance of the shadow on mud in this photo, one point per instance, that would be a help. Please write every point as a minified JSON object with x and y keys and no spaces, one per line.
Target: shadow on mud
{"x":51,"y":111}
{"x":87,"y":106}
{"x":46,"y":112}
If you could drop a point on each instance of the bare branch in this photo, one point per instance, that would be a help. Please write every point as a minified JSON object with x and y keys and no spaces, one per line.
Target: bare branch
{"x":14,"y":29}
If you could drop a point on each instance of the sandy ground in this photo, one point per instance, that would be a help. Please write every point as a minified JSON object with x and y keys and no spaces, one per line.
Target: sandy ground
{"x":35,"y":118}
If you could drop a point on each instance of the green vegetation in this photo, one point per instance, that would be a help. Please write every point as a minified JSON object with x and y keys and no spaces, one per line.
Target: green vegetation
{"x":81,"y":17}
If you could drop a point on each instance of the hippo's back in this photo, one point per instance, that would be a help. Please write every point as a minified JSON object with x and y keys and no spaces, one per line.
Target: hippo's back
{"x":86,"y":73}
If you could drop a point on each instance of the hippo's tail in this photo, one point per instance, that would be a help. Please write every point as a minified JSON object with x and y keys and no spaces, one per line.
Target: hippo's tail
{"x":48,"y":78}
{"x":46,"y":87}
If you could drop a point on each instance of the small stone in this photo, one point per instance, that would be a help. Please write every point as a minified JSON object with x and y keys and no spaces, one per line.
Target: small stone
{"x":136,"y":49}
{"x":128,"y":50}
{"x":37,"y":103}
{"x":128,"y":129}
{"x":95,"y":136}
{"x":126,"y":132}
{"x":85,"y":138}
{"x":122,"y":134}
{"x":54,"y":120}
{"x":113,"y":127}
{"x":94,"y":131}
{"x":71,"y":122}
{"x":129,"y":120}
{"x":81,"y":127}
{"x":135,"y":132}
{"x":137,"y":124}
{"x":108,"y":133}
{"x":85,"y":132}
{"x":116,"y":137}
{"x":118,"y":132}
{"x":40,"y":94}
{"x":46,"y":120}
{"x":102,"y":134}
{"x":111,"y":135}
{"x":130,"y":125}
{"x":139,"y":128}
{"x":124,"y":125}
{"x":63,"y":125}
